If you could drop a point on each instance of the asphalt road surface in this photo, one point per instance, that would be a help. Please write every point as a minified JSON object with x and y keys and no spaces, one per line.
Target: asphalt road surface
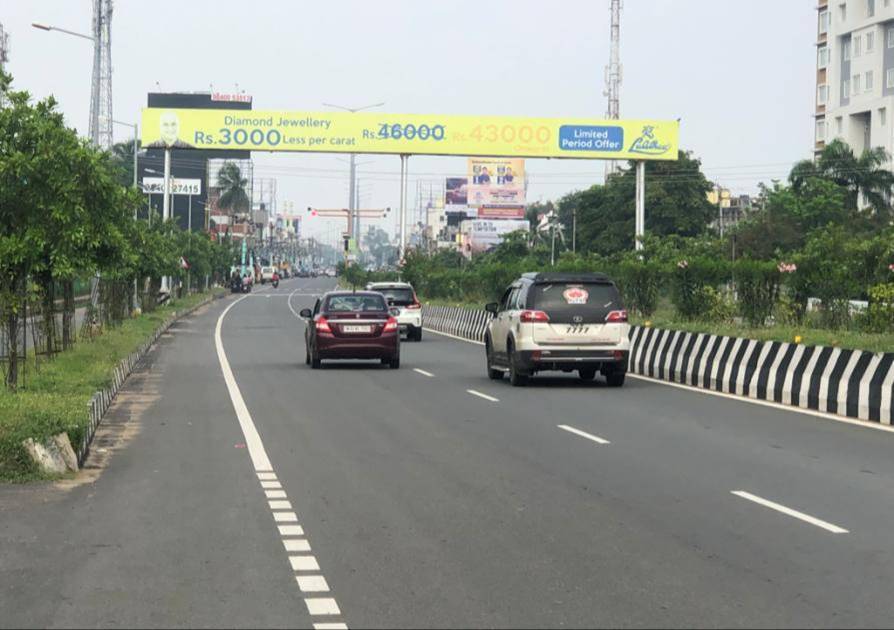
{"x":233,"y":486}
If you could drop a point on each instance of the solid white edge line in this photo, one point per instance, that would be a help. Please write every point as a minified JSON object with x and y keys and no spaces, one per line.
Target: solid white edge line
{"x":484,"y":396}
{"x":424,"y":373}
{"x":438,"y":332}
{"x":583,"y":434}
{"x":790,"y":512}
{"x":252,"y":438}
{"x":289,"y":302}
{"x":866,"y":424}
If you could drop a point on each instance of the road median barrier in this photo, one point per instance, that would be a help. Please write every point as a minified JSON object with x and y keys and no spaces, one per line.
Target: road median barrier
{"x":849,"y":383}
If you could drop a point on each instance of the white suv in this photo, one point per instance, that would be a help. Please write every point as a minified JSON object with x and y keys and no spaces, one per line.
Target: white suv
{"x":559,"y":321}
{"x":267,"y":274}
{"x":402,"y":296}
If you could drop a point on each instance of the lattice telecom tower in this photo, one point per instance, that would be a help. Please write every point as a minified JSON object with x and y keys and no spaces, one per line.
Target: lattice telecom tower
{"x":4,"y":47}
{"x":101,"y":90}
{"x":613,"y":76}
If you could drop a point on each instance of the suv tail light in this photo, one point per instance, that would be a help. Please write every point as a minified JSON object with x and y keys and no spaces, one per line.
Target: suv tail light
{"x":323,"y":325}
{"x":616,"y":317}
{"x":534,"y":317}
{"x":415,"y":306}
{"x":390,"y":325}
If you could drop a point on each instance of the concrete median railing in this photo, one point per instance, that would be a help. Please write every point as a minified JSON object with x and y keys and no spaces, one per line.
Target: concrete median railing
{"x":848,"y":383}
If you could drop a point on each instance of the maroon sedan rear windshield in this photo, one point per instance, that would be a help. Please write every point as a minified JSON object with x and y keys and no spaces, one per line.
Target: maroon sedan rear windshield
{"x":354,"y":303}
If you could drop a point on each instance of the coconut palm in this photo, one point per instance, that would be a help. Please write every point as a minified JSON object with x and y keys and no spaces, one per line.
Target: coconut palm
{"x":865,"y":177}
{"x":232,"y":188}
{"x":122,"y":159}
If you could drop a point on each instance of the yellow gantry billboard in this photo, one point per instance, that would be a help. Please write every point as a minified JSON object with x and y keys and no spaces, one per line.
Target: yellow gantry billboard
{"x":415,"y":134}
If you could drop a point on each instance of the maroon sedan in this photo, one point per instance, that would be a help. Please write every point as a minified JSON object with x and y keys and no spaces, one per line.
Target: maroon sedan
{"x":351,"y":325}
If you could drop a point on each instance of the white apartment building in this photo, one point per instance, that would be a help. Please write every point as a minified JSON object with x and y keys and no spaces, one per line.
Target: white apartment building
{"x":855,"y":73}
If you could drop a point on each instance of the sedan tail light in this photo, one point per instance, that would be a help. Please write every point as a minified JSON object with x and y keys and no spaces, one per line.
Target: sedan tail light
{"x":323,"y":325}
{"x":533,"y":317}
{"x":616,"y":317}
{"x":390,"y":325}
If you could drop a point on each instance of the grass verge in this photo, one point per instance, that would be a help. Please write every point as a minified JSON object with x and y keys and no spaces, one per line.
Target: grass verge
{"x":55,"y":395}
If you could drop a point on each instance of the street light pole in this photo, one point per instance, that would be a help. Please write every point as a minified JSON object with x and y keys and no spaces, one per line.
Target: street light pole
{"x":354,"y":221}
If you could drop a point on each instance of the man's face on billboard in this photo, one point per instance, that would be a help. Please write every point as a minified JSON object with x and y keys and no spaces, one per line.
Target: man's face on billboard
{"x":170,"y":127}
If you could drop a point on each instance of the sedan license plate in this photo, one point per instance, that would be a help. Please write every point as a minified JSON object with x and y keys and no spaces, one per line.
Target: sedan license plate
{"x":357,"y":329}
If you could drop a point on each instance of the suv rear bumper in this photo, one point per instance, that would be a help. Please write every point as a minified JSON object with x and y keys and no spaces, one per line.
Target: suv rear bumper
{"x":542,"y":360}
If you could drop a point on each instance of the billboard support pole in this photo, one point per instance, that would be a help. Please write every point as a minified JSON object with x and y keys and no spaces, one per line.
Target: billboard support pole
{"x":166,"y":207}
{"x":403,"y":204}
{"x":640,"y":204}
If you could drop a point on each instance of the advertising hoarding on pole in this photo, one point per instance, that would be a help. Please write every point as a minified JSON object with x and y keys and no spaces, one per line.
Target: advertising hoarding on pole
{"x":409,"y":134}
{"x":480,"y":235}
{"x":496,"y":182}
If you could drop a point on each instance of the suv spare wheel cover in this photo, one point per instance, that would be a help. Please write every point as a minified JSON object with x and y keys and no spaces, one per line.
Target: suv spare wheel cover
{"x":576,"y":295}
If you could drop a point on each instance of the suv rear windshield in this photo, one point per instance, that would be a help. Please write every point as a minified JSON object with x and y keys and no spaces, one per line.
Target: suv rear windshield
{"x":353,"y":303}
{"x":401,"y":296}
{"x":563,"y":301}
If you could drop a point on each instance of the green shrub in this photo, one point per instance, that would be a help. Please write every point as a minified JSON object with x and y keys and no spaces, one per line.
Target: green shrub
{"x":640,"y":283}
{"x":757,"y":284}
{"x":693,"y":287}
{"x":880,"y":315}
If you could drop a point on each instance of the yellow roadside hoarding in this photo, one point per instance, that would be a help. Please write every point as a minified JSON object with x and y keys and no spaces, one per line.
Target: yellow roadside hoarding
{"x":414,"y":134}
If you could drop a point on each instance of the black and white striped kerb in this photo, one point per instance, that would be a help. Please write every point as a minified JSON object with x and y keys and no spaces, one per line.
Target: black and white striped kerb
{"x":845,"y":382}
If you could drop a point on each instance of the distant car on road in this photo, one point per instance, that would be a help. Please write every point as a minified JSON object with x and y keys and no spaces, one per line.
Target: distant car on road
{"x":267,"y":274}
{"x":558,"y":321}
{"x":351,"y":325}
{"x":402,"y":296}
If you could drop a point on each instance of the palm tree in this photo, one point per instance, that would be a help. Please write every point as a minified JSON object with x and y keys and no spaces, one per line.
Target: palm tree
{"x":122,"y":159}
{"x":865,"y":177}
{"x":232,"y":188}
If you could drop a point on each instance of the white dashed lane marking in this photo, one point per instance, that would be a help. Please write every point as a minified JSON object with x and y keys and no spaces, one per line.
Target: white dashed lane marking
{"x":312,"y":583}
{"x":829,"y":527}
{"x":304,"y":563}
{"x":584,"y":434}
{"x":292,"y":534}
{"x":285,"y":517}
{"x":296,"y":545}
{"x":320,"y":606}
{"x":423,"y":372}
{"x":484,"y":396}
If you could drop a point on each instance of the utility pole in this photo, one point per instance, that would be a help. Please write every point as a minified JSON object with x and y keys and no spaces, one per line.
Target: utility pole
{"x":613,"y":76}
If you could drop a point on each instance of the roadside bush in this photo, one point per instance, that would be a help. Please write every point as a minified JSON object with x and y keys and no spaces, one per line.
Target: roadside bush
{"x":880,"y":315}
{"x":640,"y":283}
{"x":757,"y":284}
{"x":693,"y":288}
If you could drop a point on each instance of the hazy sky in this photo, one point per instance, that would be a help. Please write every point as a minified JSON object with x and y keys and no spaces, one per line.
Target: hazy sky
{"x":742,"y":84}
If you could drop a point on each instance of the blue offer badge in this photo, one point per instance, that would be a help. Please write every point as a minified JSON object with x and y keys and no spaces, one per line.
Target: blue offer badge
{"x":589,"y":138}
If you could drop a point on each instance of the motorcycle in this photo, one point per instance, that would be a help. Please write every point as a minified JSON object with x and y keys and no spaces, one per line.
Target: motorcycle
{"x":275,"y":281}
{"x":236,"y":285}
